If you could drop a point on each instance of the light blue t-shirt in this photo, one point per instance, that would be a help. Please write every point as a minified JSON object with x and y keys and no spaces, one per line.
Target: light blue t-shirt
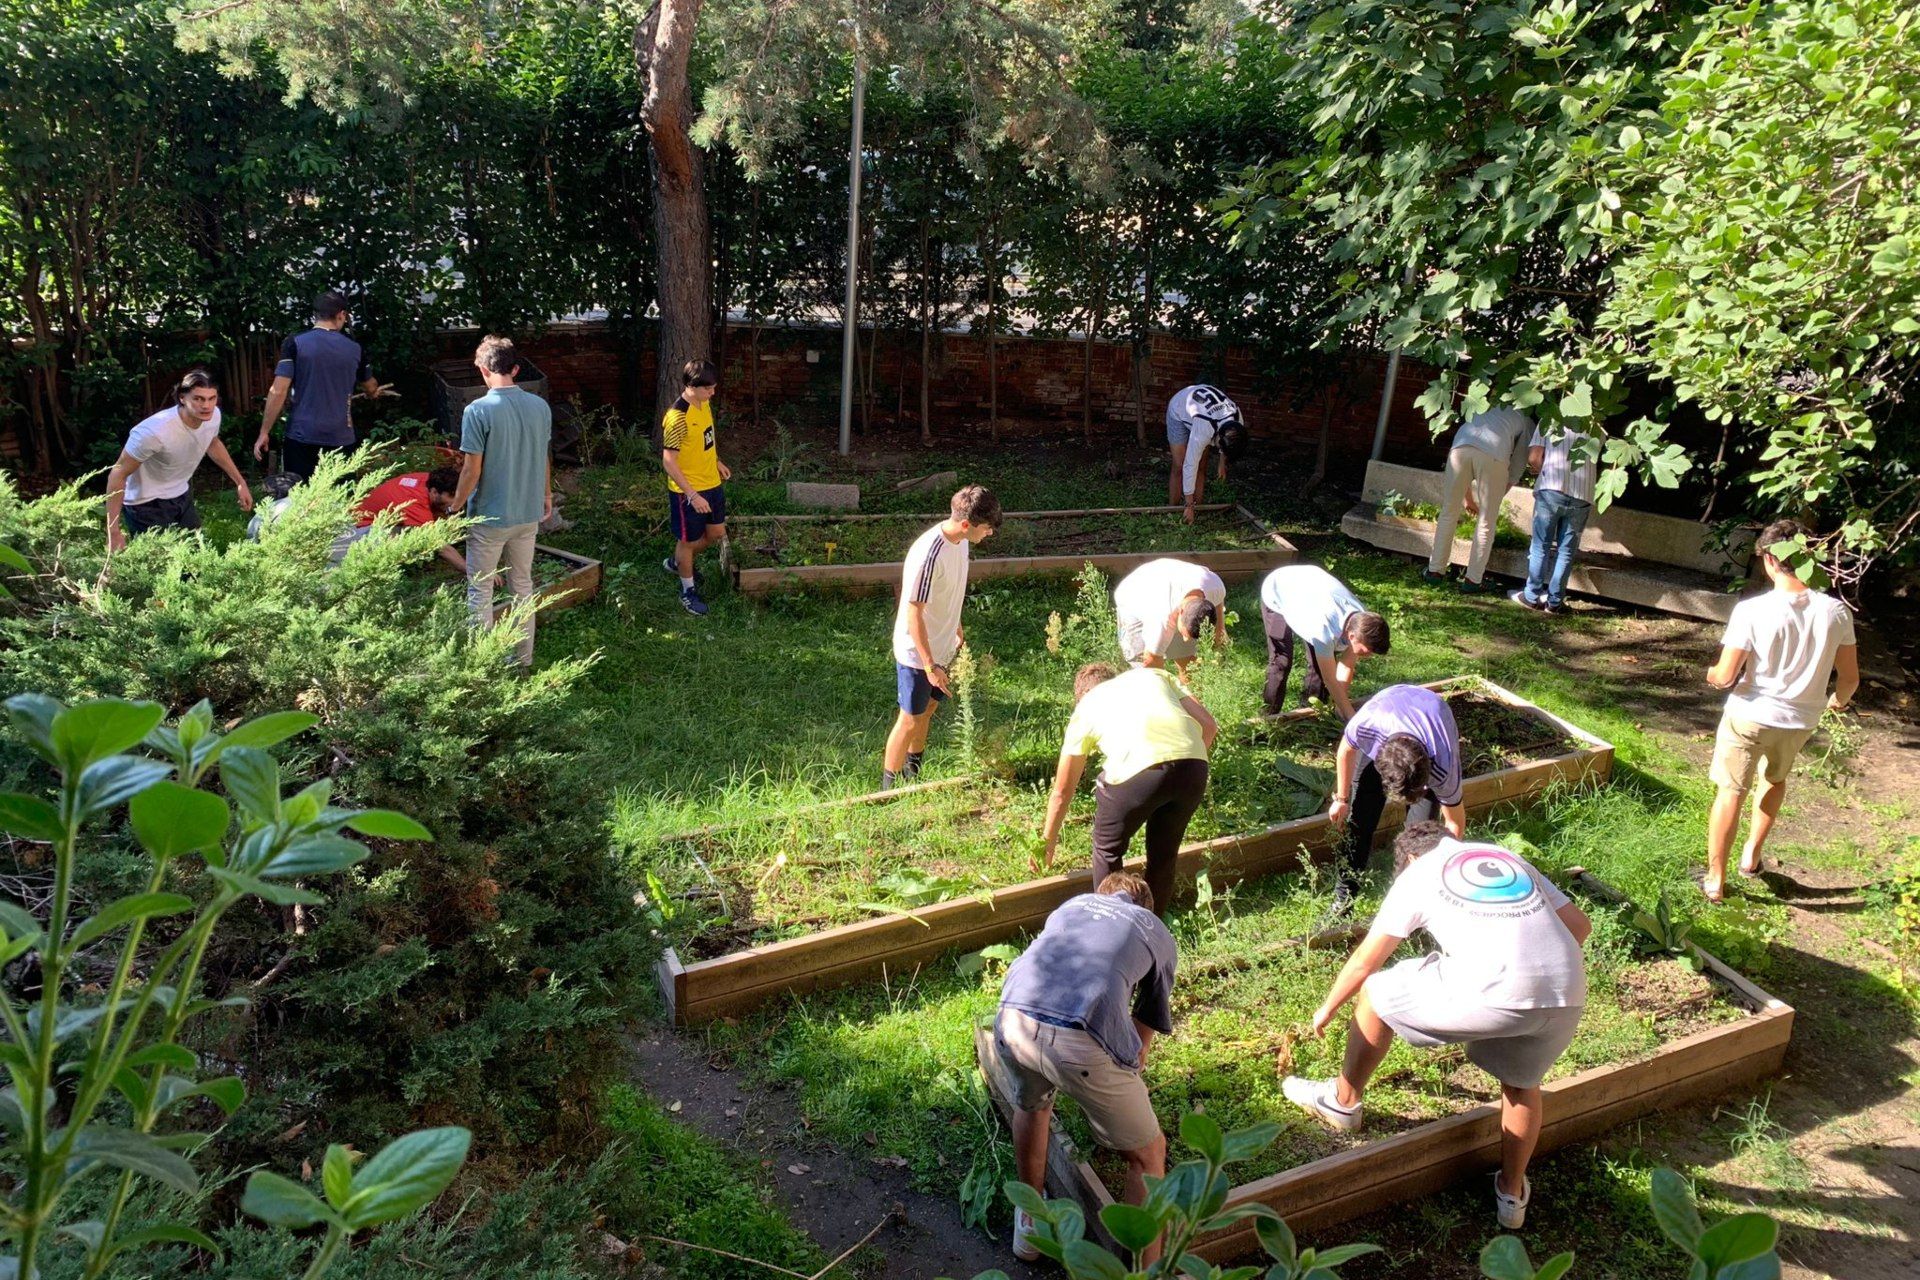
{"x":509,"y":427}
{"x":1315,"y":604}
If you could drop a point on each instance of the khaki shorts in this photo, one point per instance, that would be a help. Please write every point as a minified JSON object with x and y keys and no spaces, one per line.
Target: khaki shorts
{"x":1517,"y":1047}
{"x":1036,"y":1059}
{"x":1134,"y":642}
{"x":1741,"y":745}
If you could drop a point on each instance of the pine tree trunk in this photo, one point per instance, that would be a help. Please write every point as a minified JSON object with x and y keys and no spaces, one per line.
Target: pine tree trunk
{"x":662,"y":44}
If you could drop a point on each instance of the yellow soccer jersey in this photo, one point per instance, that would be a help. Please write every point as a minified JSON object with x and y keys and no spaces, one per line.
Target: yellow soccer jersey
{"x":688,"y":430}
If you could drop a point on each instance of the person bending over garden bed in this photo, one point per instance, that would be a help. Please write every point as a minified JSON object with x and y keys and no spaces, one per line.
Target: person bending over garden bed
{"x":1509,"y":982}
{"x":1305,"y":602}
{"x":1402,"y":745}
{"x":1155,"y":736}
{"x":1078,"y":1013}
{"x":926,"y":629}
{"x":1160,"y":608}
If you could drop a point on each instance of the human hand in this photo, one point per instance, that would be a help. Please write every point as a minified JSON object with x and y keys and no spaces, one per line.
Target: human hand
{"x":245,"y":495}
{"x":699,"y":503}
{"x":726,"y":472}
{"x":547,"y":513}
{"x":1834,"y":703}
{"x":937,"y":677}
{"x":260,"y":447}
{"x":1322,"y":1019}
{"x":1473,"y":508}
{"x":1188,"y":514}
{"x":1337,"y":813}
{"x":116,"y":538}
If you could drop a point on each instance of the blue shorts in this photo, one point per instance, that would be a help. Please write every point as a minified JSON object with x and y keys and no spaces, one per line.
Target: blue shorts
{"x":1178,"y":428}
{"x":914,"y":688}
{"x":689,"y":525}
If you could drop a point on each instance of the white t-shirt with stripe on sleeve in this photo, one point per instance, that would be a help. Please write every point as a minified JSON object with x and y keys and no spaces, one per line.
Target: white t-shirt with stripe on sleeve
{"x":935,"y":575}
{"x":1565,"y":466}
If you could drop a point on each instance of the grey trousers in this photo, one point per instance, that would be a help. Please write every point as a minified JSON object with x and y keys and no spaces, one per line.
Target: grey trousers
{"x":487,"y":545}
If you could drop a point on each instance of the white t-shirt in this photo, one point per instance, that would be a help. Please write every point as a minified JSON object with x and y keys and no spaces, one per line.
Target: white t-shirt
{"x":1205,"y":410}
{"x":1148,"y":594}
{"x":1315,"y":604}
{"x":169,"y":451}
{"x":1793,"y":636}
{"x":1494,"y":917}
{"x":1566,"y":466}
{"x":935,"y":575}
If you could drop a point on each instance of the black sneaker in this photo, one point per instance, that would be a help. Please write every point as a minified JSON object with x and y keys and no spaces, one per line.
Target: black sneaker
{"x":1481,"y":588}
{"x":1340,"y":908}
{"x":690,"y":601}
{"x":1428,"y":575}
{"x":1521,"y":598}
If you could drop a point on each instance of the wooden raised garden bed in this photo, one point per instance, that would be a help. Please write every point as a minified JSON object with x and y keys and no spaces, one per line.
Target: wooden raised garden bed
{"x":843,"y":551}
{"x":562,"y":579}
{"x":1741,"y":1039}
{"x":728,"y":984}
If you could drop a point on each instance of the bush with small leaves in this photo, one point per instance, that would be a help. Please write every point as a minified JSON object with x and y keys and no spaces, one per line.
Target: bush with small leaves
{"x":67,"y":1051}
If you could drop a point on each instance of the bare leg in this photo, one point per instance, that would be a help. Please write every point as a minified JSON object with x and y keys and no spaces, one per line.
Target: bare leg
{"x":900,"y":739}
{"x":1766,"y":807}
{"x":1520,"y":1115}
{"x":1723,"y":823}
{"x":1368,"y":1039}
{"x":1147,"y":1162}
{"x":684,"y":552}
{"x":1176,"y":494}
{"x":921,"y":724}
{"x":1030,"y":1146}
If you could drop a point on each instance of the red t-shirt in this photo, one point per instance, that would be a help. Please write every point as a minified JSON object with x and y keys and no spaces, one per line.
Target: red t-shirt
{"x":405,"y":493}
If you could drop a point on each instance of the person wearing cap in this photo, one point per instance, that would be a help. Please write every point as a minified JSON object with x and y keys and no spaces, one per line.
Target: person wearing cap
{"x":1199,"y":416}
{"x":1509,"y":982}
{"x":1779,"y":652}
{"x":317,"y":373}
{"x":1079,"y":1011}
{"x":1305,"y":602}
{"x":1160,"y":608}
{"x":1488,"y":456}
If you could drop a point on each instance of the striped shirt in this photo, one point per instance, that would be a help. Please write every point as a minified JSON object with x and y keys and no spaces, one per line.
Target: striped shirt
{"x":1422,"y":714}
{"x":1205,"y":410}
{"x":935,"y":575}
{"x":1561,"y":470}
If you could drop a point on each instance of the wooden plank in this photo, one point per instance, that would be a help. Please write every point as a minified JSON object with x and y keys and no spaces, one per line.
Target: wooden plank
{"x":1061,"y":513}
{"x":672,"y":977}
{"x":1068,"y":1176}
{"x":1233,"y":566}
{"x":1265,"y":528}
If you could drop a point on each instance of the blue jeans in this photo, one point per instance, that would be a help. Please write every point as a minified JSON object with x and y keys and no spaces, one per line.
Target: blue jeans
{"x":1557,"y":523}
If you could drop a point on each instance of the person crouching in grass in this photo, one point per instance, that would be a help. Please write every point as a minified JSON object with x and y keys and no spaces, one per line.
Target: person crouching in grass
{"x":1155,"y":737}
{"x":1078,"y":1014}
{"x":926,"y":627}
{"x":1509,"y":982}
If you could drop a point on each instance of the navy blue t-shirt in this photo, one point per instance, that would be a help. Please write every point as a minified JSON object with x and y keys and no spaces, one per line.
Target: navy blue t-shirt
{"x":1099,"y":963}
{"x":325,"y":365}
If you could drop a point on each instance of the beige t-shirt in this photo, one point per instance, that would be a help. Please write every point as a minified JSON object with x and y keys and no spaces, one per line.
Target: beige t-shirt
{"x":1793,"y":636}
{"x":1136,"y":721}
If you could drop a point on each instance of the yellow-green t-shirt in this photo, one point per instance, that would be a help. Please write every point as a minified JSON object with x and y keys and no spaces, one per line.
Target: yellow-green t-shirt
{"x":1136,"y":721}
{"x":688,"y":430}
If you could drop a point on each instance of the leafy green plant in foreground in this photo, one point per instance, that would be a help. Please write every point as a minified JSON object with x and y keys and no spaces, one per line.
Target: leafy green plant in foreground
{"x":65,"y":1058}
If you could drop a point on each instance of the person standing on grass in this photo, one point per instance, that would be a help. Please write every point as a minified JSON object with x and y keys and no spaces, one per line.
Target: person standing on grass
{"x":151,"y":484}
{"x":1567,"y":466}
{"x":1078,"y":1014}
{"x":1488,"y":455}
{"x":1401,"y":745}
{"x":1305,"y":602}
{"x":506,"y":482}
{"x":696,"y":479}
{"x":1199,"y":416}
{"x":1776,"y":657}
{"x":1509,"y":982}
{"x":1155,"y":737}
{"x":926,"y":627}
{"x":317,"y":372}
{"x":1161,"y":607}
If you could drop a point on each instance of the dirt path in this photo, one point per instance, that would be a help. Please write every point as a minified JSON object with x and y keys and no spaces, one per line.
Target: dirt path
{"x":837,"y":1196}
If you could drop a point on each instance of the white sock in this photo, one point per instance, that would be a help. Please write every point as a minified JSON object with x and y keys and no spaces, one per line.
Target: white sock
{"x":686,"y":584}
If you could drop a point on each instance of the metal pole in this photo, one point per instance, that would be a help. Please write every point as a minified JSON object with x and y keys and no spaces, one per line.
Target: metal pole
{"x":1386,"y":393}
{"x":847,"y":342}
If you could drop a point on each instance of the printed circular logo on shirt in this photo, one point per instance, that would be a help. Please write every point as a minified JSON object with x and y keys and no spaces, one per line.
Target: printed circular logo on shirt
{"x":1492,"y":877}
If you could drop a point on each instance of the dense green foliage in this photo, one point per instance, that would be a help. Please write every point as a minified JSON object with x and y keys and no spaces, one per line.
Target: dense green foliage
{"x":480,"y":974}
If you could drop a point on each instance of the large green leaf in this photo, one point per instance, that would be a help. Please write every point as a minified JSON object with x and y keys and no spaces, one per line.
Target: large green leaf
{"x":138,"y":1153}
{"x":283,"y":895}
{"x":281,"y":1202}
{"x":18,"y":921}
{"x":1505,"y":1258}
{"x":166,"y":1233}
{"x":32,"y":716}
{"x":1088,"y":1261}
{"x":268,"y":730}
{"x":253,"y":779}
{"x":125,"y":911}
{"x":1673,"y":1210}
{"x":1201,"y":1132}
{"x":1744,"y":1236}
{"x":1133,"y":1227}
{"x":388,"y":824}
{"x":28,"y":817}
{"x":336,"y":1176}
{"x":320,"y":853}
{"x":170,"y":819}
{"x":406,"y":1174}
{"x":95,"y":730}
{"x":117,"y":779}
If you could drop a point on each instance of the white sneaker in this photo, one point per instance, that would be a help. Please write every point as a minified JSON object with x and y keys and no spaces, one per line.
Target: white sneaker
{"x":1511,"y":1210}
{"x":1022,"y":1232}
{"x":1317,"y":1098}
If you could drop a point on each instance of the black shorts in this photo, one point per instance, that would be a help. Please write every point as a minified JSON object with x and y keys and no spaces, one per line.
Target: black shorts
{"x":161,"y":513}
{"x":689,"y":525}
{"x":302,"y":456}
